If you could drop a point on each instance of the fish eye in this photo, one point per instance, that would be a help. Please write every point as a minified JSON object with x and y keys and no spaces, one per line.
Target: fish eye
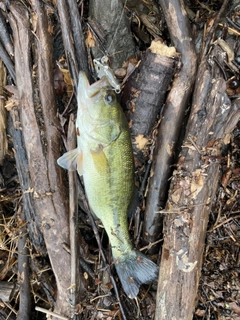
{"x":109,"y":98}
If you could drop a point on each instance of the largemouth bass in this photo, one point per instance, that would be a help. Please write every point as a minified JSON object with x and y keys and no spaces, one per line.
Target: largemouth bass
{"x":104,"y":158}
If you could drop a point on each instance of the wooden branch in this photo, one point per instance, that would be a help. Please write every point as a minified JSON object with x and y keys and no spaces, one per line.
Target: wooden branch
{"x":7,"y":61}
{"x":33,"y":224}
{"x":24,"y":312}
{"x":145,"y":91}
{"x":212,"y":30}
{"x":5,"y":36}
{"x":78,"y":36}
{"x":6,"y":48}
{"x":193,"y":188}
{"x":73,"y":222}
{"x":173,"y":113}
{"x":3,"y":118}
{"x":68,"y":19}
{"x":7,"y":314}
{"x":49,"y":192}
{"x":6,"y":290}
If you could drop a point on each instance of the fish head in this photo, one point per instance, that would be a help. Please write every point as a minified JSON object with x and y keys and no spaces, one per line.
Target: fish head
{"x":98,"y":99}
{"x":99,"y":113}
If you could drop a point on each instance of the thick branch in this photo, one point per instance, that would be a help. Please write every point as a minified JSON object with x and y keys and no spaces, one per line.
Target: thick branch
{"x":78,"y":36}
{"x":68,"y":19}
{"x":170,"y":126}
{"x":145,"y":91}
{"x":192,"y":192}
{"x":48,"y":188}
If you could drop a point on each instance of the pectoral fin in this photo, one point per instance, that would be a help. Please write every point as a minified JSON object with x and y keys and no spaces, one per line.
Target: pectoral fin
{"x":71,"y":160}
{"x":100,"y":160}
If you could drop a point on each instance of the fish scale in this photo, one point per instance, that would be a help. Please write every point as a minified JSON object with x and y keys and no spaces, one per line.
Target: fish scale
{"x":104,"y":158}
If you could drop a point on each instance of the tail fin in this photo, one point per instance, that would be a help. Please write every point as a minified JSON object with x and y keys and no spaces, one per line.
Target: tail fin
{"x":135,"y":269}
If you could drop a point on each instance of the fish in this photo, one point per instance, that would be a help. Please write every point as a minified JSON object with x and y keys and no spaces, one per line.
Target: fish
{"x":104,"y":158}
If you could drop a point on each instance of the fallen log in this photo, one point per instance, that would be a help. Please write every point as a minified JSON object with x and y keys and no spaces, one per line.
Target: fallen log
{"x":145,"y":91}
{"x":192,"y":191}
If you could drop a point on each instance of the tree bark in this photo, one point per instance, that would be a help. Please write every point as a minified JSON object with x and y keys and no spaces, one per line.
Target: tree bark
{"x":145,"y":92}
{"x":3,"y":117}
{"x":51,"y":205}
{"x":173,"y":113}
{"x":24,"y":312}
{"x":6,"y":290}
{"x":192,"y":192}
{"x":71,"y":30}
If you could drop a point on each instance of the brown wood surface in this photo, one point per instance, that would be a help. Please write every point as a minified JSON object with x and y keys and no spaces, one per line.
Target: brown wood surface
{"x":3,"y":116}
{"x":145,"y":92}
{"x":4,"y":314}
{"x":192,"y":191}
{"x":6,"y":290}
{"x":170,"y":126}
{"x":73,"y":39}
{"x":25,"y":302}
{"x":49,"y":191}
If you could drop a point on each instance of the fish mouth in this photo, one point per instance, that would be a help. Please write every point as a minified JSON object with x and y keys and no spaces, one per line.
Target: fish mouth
{"x":90,"y":91}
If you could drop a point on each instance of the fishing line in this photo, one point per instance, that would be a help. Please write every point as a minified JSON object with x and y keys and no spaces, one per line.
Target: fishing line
{"x":117,"y":27}
{"x":101,"y":65}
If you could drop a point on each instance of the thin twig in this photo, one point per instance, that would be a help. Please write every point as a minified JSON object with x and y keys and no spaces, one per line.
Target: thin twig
{"x":209,"y":36}
{"x":56,"y":315}
{"x":23,"y":271}
{"x":73,"y":215}
{"x":224,"y":222}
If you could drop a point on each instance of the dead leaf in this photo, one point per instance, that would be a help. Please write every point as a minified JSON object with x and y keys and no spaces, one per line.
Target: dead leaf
{"x":200,"y":312}
{"x":140,"y":141}
{"x":176,"y":195}
{"x":196,"y":183}
{"x":59,"y":83}
{"x":34,"y":19}
{"x":226,"y":178}
{"x":67,"y":79}
{"x":90,"y":40}
{"x":13,"y":100}
{"x":11,"y":103}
